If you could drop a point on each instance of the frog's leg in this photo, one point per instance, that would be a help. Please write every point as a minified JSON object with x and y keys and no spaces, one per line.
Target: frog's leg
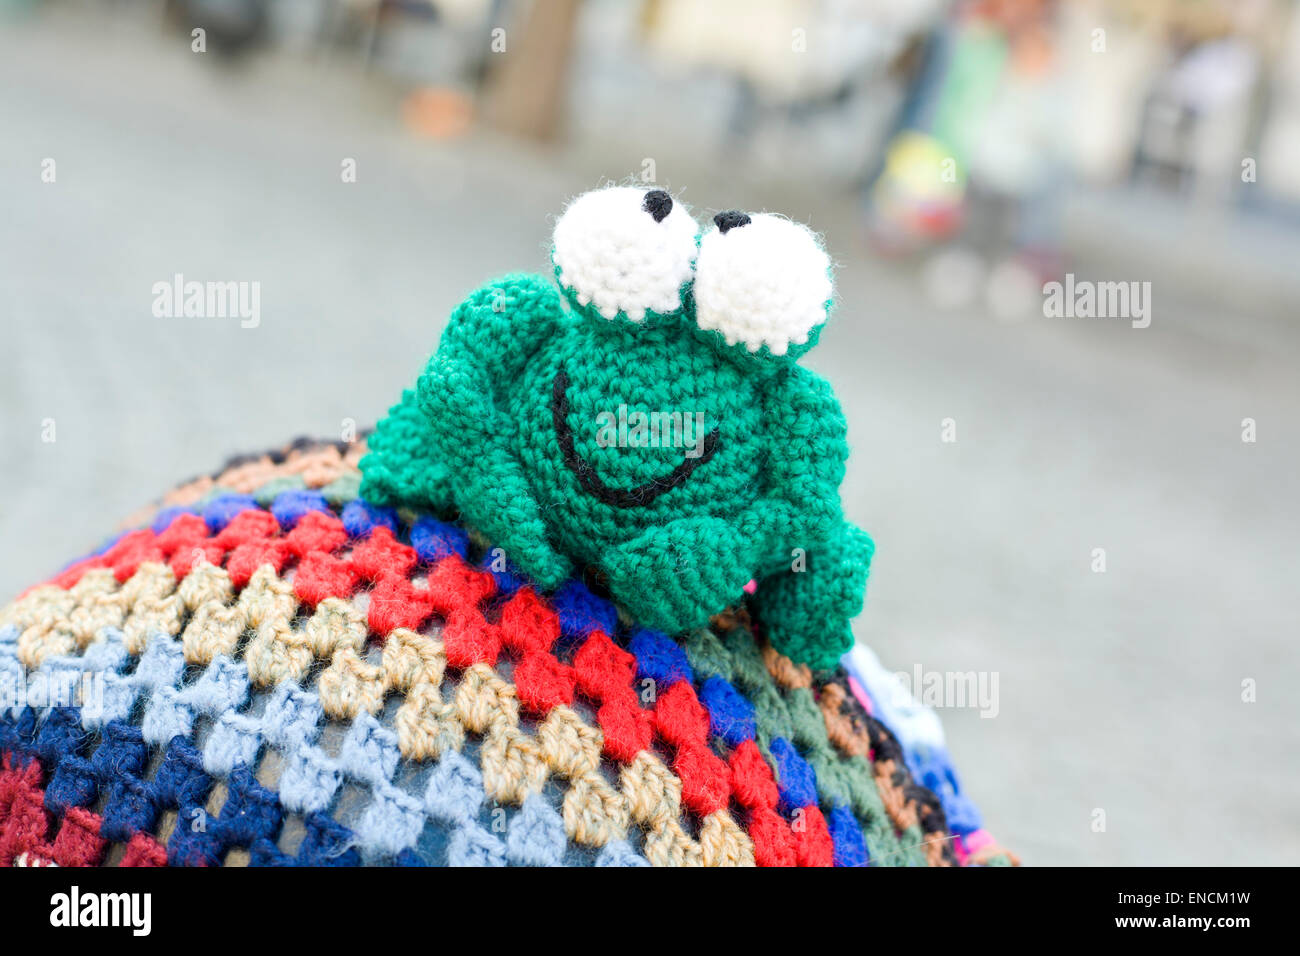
{"x":495,"y":328}
{"x":488,"y":341}
{"x":806,"y":612}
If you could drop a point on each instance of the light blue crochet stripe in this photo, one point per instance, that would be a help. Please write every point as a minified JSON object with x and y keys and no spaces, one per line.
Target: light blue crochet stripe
{"x":12,"y":674}
{"x":310,"y":779}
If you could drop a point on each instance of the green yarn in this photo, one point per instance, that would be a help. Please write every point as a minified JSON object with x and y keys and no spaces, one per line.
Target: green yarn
{"x":400,"y":467}
{"x":792,"y":713}
{"x":706,"y":655}
{"x":679,"y":467}
{"x":806,"y":615}
{"x":842,"y":779}
{"x":750,"y":674}
{"x":267,"y":492}
{"x":342,"y":489}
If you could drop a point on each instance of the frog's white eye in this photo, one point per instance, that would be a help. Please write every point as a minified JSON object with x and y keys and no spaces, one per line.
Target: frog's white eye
{"x":761,"y":280}
{"x":625,"y":249}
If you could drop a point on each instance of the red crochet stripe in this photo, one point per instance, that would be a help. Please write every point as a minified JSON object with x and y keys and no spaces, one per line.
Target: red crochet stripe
{"x":144,"y":850}
{"x":456,"y":592}
{"x":25,"y":824}
{"x":530,"y":629}
{"x":396,"y":602}
{"x":683,"y":722}
{"x":754,"y":786}
{"x":605,"y":672}
{"x":708,"y":783}
{"x":132,"y":550}
{"x":381,"y":555}
{"x":252,"y":539}
{"x":454,"y":585}
{"x":813,"y":844}
{"x":316,"y":533}
{"x":322,"y":575}
{"x":185,"y":541}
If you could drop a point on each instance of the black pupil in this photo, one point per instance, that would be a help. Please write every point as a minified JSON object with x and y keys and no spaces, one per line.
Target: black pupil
{"x":658,"y":204}
{"x":730,"y":220}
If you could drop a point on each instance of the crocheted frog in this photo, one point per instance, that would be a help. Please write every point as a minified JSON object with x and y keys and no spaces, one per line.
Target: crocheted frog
{"x":647,"y":417}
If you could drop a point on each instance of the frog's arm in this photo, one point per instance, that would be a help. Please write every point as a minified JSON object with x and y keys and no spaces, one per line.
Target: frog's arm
{"x":806,"y":611}
{"x":400,"y":467}
{"x":500,"y":325}
{"x":495,"y":328}
{"x":673,"y":576}
{"x":487,"y":343}
{"x":806,"y":450}
{"x":806,"y":614}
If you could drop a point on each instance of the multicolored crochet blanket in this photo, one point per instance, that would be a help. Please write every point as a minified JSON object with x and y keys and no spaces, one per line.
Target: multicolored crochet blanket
{"x":269,"y":670}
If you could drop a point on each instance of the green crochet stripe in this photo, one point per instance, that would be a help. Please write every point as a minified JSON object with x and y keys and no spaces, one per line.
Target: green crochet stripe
{"x":338,"y":492}
{"x":793,"y":714}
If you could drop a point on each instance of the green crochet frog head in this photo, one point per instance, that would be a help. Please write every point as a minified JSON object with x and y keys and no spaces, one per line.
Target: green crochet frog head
{"x":648,"y":419}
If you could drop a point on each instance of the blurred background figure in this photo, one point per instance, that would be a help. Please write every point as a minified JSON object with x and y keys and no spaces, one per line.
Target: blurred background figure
{"x":1101,"y":514}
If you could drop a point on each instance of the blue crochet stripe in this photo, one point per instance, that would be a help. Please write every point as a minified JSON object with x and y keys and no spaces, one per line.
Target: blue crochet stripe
{"x":250,"y":816}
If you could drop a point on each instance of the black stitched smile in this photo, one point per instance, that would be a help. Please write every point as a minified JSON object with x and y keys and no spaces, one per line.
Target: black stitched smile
{"x":636,"y":497}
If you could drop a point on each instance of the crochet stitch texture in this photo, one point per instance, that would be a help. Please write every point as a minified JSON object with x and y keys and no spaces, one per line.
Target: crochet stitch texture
{"x":271,"y":670}
{"x":730,"y":472}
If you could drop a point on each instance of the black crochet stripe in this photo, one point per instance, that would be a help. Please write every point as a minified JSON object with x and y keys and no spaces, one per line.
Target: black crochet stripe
{"x":636,"y":497}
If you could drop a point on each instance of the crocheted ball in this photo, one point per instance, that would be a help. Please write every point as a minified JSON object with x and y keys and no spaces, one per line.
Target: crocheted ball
{"x":266,"y":669}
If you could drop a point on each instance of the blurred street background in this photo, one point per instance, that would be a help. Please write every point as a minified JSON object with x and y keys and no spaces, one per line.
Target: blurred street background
{"x":957,"y":156}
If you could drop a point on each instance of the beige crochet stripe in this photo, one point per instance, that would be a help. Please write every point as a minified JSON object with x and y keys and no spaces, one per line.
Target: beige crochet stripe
{"x":204,"y":612}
